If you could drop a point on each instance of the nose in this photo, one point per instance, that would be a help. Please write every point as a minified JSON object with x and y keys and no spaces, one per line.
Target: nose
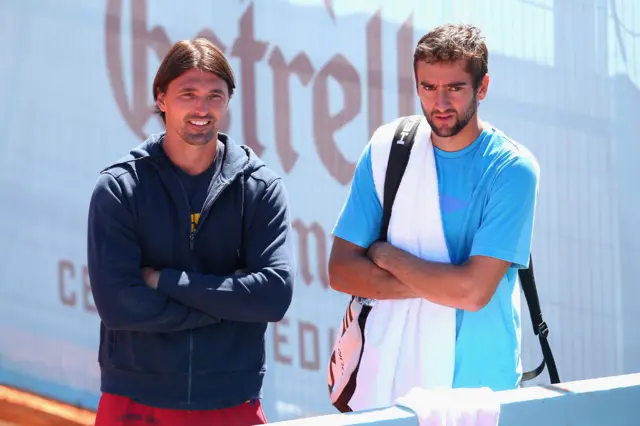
{"x":442,"y":100}
{"x":201,"y":106}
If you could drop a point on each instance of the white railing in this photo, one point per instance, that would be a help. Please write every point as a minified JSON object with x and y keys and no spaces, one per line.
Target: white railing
{"x":608,"y":401}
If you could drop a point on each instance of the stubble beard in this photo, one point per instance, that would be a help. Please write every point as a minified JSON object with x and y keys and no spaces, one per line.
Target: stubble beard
{"x":200,"y":138}
{"x":461,"y":120}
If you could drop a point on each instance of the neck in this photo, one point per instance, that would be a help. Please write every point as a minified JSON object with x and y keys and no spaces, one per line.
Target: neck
{"x":462,"y":139}
{"x":193,"y":159}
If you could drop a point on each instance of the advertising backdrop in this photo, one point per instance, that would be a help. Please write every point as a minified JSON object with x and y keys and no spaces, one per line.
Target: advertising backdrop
{"x":315,"y":78}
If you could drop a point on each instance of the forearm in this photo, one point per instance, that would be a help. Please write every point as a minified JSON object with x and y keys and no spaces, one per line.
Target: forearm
{"x":263,"y":296}
{"x":135,"y":307}
{"x":441,"y":283}
{"x":359,"y":276}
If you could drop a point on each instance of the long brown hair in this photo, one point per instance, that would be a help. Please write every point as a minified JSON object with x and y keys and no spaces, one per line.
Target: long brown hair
{"x":184,"y":55}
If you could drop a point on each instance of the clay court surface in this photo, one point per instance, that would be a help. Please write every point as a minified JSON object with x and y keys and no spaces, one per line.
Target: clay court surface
{"x":22,"y":409}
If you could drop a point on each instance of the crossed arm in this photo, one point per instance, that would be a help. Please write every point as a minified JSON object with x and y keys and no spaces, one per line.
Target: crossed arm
{"x":130,"y":298}
{"x":263,"y":292}
{"x":360,"y":265}
{"x":387,"y":272}
{"x":122,"y":299}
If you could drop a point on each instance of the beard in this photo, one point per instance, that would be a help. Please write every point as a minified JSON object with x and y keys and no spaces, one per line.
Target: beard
{"x":462,"y":119}
{"x":199,"y":137}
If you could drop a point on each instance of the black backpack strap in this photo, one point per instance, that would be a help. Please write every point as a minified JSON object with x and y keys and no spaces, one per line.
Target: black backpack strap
{"x":398,"y":159}
{"x":528,"y":283}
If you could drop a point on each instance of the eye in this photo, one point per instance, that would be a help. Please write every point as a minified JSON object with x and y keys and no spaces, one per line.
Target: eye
{"x":187,"y":95}
{"x":455,"y":89}
{"x":428,"y":87}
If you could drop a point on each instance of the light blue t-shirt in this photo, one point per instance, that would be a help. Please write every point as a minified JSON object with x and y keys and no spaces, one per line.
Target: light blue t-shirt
{"x":488,"y":194}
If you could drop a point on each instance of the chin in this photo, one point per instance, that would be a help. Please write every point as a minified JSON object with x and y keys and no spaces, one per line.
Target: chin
{"x":198,"y":143}
{"x":444,"y":133}
{"x":199,"y":139}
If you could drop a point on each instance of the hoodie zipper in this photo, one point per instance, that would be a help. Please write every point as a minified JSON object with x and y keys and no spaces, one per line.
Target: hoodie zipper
{"x":208,"y":202}
{"x":203,"y":215}
{"x":192,"y":237}
{"x":191,"y":240}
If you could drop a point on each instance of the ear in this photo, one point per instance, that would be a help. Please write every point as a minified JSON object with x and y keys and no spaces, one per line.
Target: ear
{"x":484,"y":87}
{"x":160,"y":102}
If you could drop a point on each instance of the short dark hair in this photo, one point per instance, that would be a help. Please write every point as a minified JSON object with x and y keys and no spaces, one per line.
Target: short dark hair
{"x":185,"y":55}
{"x":454,"y":42}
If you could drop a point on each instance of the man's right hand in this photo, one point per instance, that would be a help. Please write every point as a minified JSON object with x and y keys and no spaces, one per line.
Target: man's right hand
{"x":151,"y":277}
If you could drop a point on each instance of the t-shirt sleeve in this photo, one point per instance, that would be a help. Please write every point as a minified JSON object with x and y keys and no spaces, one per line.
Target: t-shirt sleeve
{"x":361,"y":215}
{"x":507,"y":224}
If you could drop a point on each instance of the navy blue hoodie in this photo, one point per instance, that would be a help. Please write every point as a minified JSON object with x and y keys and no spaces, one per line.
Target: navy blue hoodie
{"x":198,"y":342}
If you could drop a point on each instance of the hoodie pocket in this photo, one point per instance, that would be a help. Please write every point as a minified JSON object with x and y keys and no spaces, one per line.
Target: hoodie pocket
{"x":149,"y":352}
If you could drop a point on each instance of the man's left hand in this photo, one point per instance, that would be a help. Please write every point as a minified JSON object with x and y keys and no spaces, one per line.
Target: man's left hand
{"x":151,"y":277}
{"x":380,"y":253}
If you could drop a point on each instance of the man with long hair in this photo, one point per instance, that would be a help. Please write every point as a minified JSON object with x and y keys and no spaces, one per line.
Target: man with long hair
{"x":189,"y":257}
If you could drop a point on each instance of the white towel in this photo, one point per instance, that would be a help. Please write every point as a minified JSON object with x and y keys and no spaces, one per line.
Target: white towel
{"x":408,"y":342}
{"x":453,"y":407}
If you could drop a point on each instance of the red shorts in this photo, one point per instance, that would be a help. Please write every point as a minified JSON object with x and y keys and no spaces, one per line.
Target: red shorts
{"x":115,"y":410}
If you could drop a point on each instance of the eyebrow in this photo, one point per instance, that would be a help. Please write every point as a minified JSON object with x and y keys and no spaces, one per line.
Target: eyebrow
{"x":191,"y":89}
{"x":452,"y":84}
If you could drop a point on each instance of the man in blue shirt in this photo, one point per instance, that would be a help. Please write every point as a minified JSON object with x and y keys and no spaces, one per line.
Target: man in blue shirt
{"x":487,"y":185}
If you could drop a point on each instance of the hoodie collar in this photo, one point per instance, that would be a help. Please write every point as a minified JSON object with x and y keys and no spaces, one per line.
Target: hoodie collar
{"x":237,"y":159}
